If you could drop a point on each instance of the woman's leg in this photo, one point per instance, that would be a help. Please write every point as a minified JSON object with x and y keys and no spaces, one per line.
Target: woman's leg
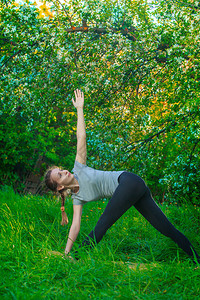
{"x":150,"y":210}
{"x":133,"y":191}
{"x":130,"y":189}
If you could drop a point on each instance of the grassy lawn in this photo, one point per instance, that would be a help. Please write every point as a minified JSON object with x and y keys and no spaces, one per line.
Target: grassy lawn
{"x":133,"y":261}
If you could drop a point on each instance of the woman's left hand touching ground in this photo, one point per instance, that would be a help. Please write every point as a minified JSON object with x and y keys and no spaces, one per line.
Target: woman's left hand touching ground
{"x":57,"y":253}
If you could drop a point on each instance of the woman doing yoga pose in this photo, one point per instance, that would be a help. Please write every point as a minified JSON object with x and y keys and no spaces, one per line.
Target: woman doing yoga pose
{"x":124,"y":188}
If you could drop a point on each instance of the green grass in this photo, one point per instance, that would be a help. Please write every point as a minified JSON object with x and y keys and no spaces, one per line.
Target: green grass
{"x":133,"y":261}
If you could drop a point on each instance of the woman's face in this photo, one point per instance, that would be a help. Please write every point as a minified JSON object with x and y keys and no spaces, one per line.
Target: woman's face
{"x":63,"y":178}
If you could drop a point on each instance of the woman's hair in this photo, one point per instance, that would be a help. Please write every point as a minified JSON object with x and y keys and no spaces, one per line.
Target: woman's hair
{"x":52,"y":185}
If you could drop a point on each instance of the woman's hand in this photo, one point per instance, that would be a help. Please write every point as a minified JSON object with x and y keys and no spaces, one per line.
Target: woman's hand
{"x":79,"y":99}
{"x":57,"y":253}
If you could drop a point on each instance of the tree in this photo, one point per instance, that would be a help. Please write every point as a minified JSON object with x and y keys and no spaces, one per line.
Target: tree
{"x":137,"y":65}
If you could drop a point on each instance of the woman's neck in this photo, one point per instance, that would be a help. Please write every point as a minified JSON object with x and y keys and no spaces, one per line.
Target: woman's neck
{"x":74,"y":186}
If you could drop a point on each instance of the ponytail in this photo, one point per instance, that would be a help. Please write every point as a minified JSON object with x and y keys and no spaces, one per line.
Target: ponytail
{"x":64,"y":215}
{"x":52,"y":185}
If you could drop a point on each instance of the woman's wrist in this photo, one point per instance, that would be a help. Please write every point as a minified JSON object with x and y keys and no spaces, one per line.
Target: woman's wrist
{"x":68,"y":247}
{"x":79,"y":108}
{"x":66,"y":252}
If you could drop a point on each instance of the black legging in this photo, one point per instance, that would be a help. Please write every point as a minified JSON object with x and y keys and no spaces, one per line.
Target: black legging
{"x":132,"y":190}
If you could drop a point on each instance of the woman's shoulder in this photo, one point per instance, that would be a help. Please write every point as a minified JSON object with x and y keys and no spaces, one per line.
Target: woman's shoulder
{"x":78,"y":164}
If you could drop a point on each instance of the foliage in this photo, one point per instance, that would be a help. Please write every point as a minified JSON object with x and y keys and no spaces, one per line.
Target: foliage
{"x":138,"y":66}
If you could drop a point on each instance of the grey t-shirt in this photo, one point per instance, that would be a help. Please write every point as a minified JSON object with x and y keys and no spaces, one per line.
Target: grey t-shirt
{"x":93,"y":184}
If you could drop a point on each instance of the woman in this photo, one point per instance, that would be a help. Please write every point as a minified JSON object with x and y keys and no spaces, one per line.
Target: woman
{"x":124,"y":188}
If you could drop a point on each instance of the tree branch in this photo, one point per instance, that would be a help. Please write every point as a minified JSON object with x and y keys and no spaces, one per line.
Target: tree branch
{"x":167,"y":128}
{"x":10,"y":58}
{"x":85,"y":28}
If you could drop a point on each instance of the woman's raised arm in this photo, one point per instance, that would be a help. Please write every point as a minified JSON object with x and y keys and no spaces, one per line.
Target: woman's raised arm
{"x":81,"y":133}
